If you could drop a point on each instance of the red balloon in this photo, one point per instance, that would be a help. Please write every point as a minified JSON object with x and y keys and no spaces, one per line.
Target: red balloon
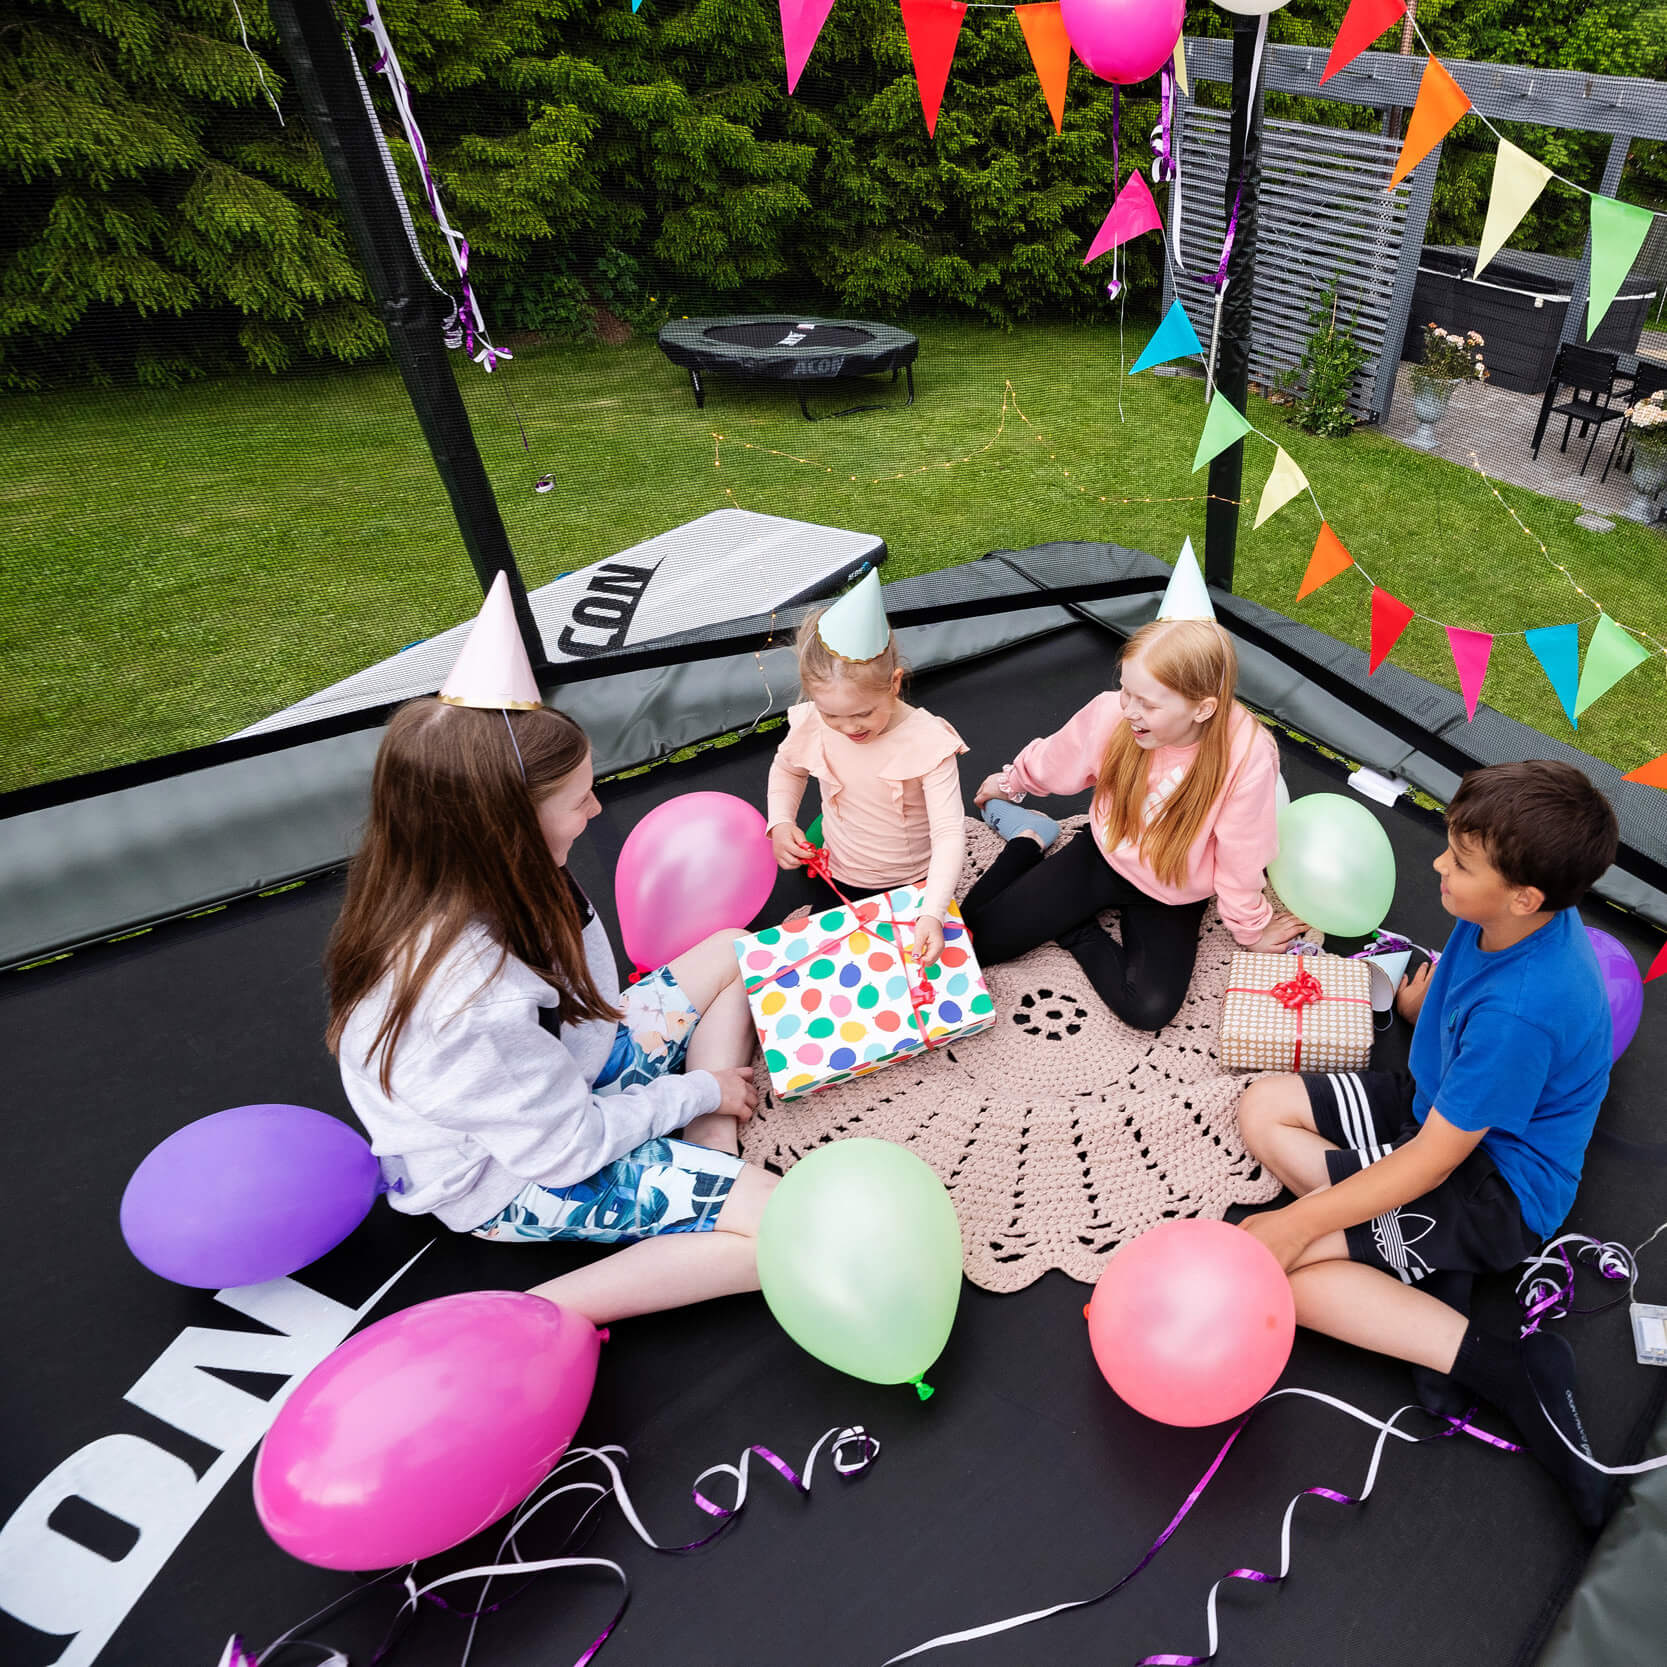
{"x":1192,"y":1322}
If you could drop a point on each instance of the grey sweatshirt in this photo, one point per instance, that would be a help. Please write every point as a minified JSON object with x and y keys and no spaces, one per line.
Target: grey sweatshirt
{"x":484,"y":1100}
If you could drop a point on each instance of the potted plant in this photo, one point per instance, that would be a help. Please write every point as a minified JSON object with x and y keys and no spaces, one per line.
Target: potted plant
{"x":1647,"y":431}
{"x":1447,"y":360}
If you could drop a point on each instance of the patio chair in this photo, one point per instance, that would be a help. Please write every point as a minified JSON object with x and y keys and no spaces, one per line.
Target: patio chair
{"x":1646,"y":380}
{"x":1589,"y":375}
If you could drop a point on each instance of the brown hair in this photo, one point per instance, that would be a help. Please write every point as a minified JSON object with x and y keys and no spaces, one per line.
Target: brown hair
{"x":454,"y":838}
{"x":1542,"y":823}
{"x":1194,"y":658}
{"x":819,"y":664}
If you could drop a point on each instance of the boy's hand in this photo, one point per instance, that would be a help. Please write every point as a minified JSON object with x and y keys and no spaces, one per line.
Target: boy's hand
{"x":928,"y":940}
{"x":788,"y":843}
{"x":1283,"y":929}
{"x":1409,"y":998}
{"x":989,"y":788}
{"x":1287,"y":1239}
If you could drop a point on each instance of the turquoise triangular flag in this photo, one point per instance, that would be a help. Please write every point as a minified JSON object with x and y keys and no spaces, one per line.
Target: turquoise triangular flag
{"x":1557,"y":648}
{"x":1223,"y":425}
{"x":1175,"y":338}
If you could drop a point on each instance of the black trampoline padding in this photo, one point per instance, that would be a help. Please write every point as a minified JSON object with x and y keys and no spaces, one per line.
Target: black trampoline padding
{"x":1023,"y":1482}
{"x":785,"y":347}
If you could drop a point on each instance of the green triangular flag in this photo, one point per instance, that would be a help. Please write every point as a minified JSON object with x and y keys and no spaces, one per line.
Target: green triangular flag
{"x":1618,"y":233}
{"x":1610,"y":655}
{"x":1222,"y":426}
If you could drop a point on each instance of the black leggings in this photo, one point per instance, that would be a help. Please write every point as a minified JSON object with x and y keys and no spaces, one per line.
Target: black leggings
{"x":1025,"y":899}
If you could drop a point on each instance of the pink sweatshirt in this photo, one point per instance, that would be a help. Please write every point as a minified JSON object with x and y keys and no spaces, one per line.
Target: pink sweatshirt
{"x":891,"y":807}
{"x":1229,"y":859}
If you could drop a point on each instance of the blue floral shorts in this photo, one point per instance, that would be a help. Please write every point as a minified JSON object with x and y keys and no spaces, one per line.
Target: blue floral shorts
{"x":663,"y":1185}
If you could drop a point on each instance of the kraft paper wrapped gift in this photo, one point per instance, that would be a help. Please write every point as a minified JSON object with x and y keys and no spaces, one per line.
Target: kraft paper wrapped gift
{"x":832,"y":1000}
{"x":1295,"y":1013}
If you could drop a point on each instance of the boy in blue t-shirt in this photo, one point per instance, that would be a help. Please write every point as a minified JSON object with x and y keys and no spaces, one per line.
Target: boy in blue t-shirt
{"x":1404,"y":1182}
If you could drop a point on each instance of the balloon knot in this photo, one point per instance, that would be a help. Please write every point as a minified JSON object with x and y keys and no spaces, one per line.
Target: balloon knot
{"x":601,"y":1334}
{"x":922,"y":1388}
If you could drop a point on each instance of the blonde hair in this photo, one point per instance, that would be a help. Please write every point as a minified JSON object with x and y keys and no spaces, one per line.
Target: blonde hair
{"x":1195,"y":659}
{"x":819,"y":664}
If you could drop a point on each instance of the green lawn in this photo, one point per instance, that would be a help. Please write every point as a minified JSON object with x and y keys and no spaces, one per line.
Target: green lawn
{"x":180,"y":563}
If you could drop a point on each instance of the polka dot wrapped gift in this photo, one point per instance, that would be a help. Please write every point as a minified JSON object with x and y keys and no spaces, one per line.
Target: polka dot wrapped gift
{"x":1295,"y":1013}
{"x":840,"y":994}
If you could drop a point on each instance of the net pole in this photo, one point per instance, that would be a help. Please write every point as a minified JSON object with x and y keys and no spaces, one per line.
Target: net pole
{"x":1221,"y":513}
{"x":409,"y":308}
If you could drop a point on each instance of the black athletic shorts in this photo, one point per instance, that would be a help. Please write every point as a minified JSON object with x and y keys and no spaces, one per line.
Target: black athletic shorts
{"x":1470,"y":1223}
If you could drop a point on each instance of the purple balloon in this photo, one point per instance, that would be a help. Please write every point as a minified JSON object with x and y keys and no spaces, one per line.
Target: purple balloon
{"x":248,"y":1195}
{"x":1621,"y":984}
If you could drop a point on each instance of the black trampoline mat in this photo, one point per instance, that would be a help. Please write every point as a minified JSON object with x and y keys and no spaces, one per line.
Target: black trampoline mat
{"x":784,"y":332}
{"x":1024,"y":1481}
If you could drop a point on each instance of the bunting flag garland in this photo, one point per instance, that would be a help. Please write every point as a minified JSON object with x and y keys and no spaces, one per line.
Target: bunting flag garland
{"x":933,"y":28}
{"x":1659,"y":965}
{"x":1517,"y":180}
{"x":1364,"y":21}
{"x":1180,"y":61}
{"x":1284,"y":483}
{"x":1328,"y":560}
{"x":1223,"y":424}
{"x":1618,"y":233}
{"x":1653,"y":774}
{"x":1174,"y":338}
{"x":1390,"y":617}
{"x":801,"y":23}
{"x":1557,"y":648}
{"x":1470,"y":650}
{"x":1050,"y":53}
{"x":1610,"y":655}
{"x":1441,"y":101}
{"x":1134,"y":212}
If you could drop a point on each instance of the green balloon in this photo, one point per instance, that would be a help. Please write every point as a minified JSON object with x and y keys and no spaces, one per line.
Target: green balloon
{"x":1335,"y":867}
{"x":859,"y":1255}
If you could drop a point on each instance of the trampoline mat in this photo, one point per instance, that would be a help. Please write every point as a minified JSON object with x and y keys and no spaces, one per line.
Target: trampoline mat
{"x":782,"y":332}
{"x":1023,"y":1482}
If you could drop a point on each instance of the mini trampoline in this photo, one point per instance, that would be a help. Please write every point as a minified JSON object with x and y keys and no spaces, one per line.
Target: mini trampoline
{"x":784,"y":347}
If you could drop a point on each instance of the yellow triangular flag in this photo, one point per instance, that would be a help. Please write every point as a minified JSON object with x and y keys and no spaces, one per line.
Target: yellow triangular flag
{"x":1286,"y":481}
{"x":1181,"y":66}
{"x":1517,"y":180}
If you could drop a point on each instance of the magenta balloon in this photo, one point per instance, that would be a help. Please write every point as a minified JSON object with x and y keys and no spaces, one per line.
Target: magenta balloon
{"x":424,"y":1429}
{"x":1123,"y":40}
{"x":248,"y":1195}
{"x":1622,"y":984}
{"x":693,"y":866}
{"x":1192,"y":1322}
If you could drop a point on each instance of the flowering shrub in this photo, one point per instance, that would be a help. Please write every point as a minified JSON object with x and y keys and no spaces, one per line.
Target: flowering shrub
{"x":1448,"y":356}
{"x":1648,"y":422}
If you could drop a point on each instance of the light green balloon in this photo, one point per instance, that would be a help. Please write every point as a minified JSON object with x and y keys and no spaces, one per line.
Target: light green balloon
{"x":1335,"y":867}
{"x":859,"y":1255}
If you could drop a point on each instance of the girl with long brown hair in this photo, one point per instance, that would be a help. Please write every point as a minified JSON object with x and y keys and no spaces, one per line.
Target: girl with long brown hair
{"x":507,"y":1086}
{"x":1184,"y":807}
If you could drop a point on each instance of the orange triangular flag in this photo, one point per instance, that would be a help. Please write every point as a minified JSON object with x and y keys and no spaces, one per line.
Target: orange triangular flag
{"x":1328,"y":560}
{"x":1653,"y":774}
{"x":1441,"y":101}
{"x":1050,"y":52}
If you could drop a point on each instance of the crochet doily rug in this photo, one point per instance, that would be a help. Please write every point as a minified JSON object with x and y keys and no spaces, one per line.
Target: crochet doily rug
{"x":1060,"y":1133}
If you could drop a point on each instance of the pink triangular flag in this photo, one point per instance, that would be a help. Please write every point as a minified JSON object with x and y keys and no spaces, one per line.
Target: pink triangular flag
{"x":1134,"y":212}
{"x":1659,"y":965}
{"x":801,"y":23}
{"x":1470,"y":659}
{"x":493,"y":670}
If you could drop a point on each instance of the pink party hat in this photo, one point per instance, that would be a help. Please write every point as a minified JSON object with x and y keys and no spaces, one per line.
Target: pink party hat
{"x":493,"y":670}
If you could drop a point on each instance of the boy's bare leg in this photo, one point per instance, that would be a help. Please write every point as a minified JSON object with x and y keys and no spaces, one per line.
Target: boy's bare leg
{"x":1373,"y":1310}
{"x":1278,"y":1128}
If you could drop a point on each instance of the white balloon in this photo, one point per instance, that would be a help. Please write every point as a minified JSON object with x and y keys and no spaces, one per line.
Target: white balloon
{"x":1250,"y":8}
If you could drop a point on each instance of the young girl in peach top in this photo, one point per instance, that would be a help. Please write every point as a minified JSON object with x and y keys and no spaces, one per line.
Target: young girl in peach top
{"x":891,"y":792}
{"x":1183,"y":810}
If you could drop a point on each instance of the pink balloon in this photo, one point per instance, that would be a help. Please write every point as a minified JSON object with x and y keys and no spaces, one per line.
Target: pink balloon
{"x":1192,"y":1322}
{"x":1123,"y":40}
{"x":424,"y":1429}
{"x":693,"y":866}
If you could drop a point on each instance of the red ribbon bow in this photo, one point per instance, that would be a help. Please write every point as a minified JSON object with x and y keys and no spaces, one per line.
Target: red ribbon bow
{"x":1299,"y":991}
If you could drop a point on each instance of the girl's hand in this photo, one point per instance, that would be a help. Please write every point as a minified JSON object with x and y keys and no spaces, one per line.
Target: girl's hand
{"x":1283,"y":929}
{"x":740,"y":1098}
{"x":788,"y":842}
{"x":1409,"y":998}
{"x":989,"y":788}
{"x":928,"y":940}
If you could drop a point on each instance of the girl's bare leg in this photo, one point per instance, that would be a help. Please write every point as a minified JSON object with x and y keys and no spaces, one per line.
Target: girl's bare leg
{"x":710,"y":977}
